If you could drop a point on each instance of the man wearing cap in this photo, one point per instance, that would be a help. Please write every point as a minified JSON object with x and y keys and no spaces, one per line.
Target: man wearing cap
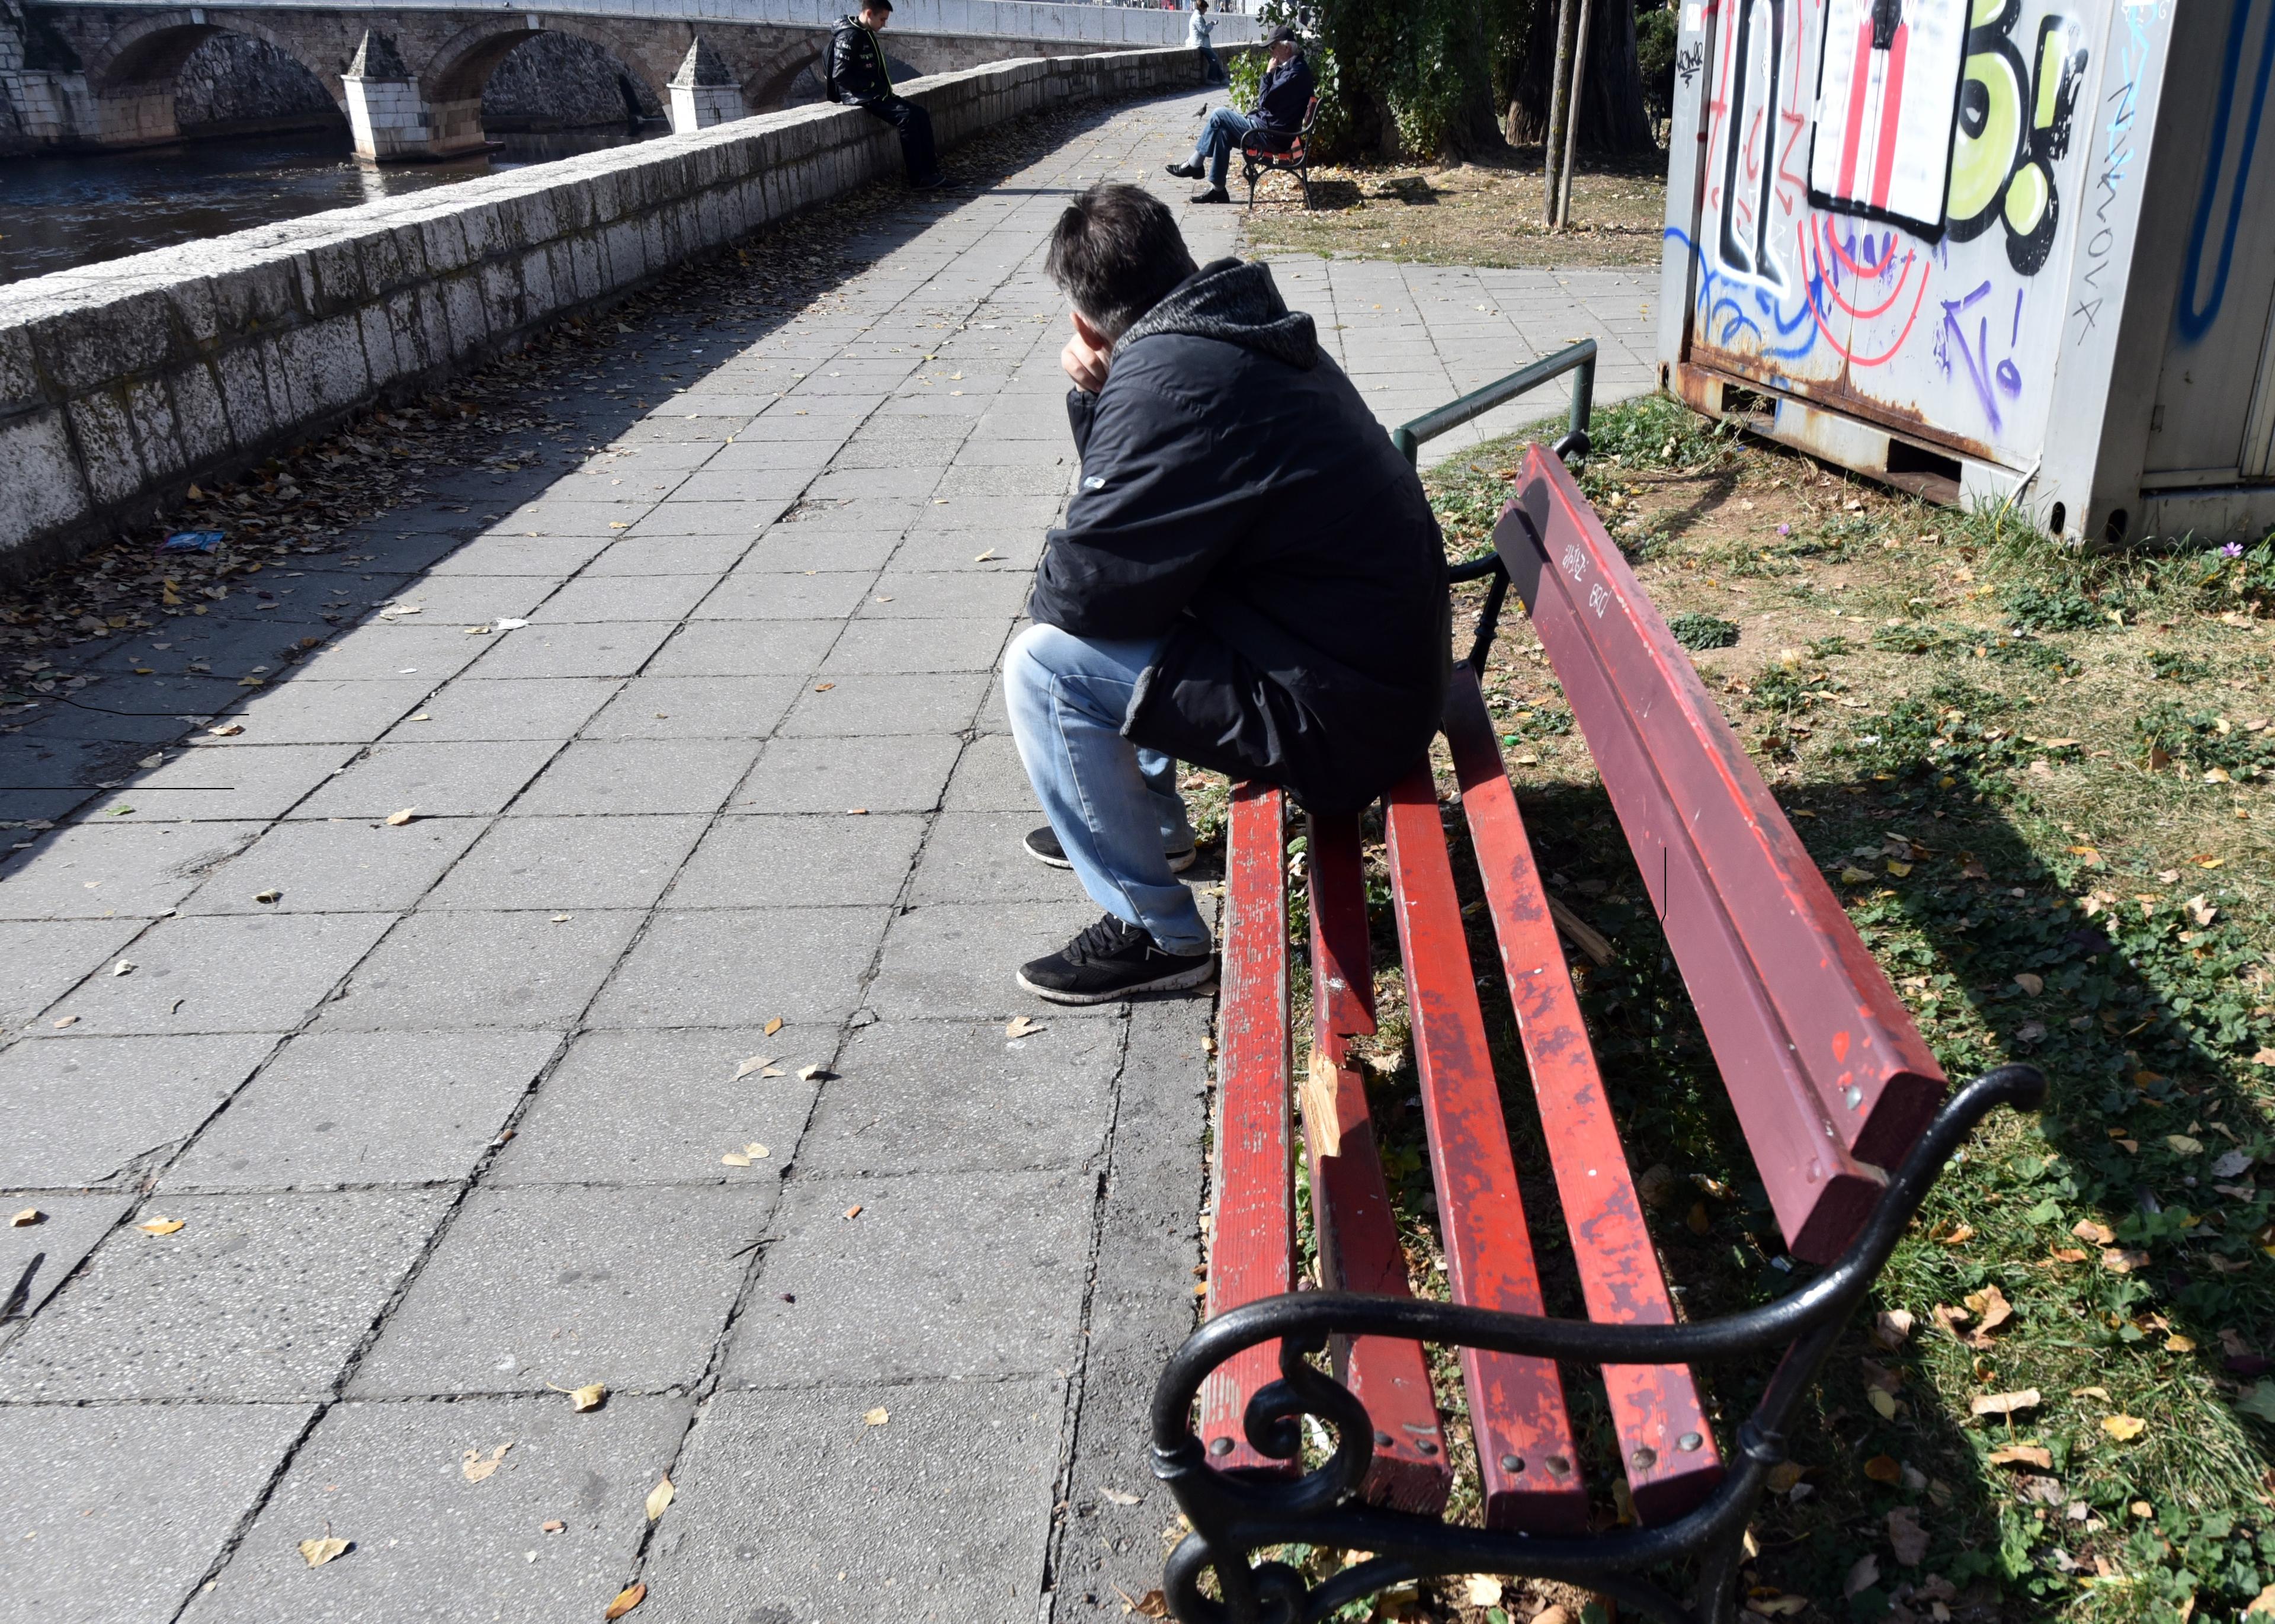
{"x":1279,"y":110}
{"x":856,"y":72}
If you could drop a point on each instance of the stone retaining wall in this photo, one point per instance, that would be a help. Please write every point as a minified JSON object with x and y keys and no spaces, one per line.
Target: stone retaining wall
{"x":120,"y":384}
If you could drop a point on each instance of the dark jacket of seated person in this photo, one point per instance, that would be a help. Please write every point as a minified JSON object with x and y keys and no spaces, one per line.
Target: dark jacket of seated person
{"x":1238,"y":496}
{"x":1285,"y":96}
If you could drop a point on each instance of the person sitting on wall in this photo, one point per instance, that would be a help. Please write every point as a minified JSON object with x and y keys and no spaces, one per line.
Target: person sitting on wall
{"x":1280,"y":108}
{"x":858,"y":74}
{"x":1269,"y":601}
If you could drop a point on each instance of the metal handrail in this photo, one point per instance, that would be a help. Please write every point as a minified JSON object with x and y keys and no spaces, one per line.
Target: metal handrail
{"x":1580,"y":357}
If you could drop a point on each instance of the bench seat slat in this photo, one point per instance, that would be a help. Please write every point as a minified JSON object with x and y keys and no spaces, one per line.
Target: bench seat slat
{"x":1252,"y":1241}
{"x":1655,"y":1409}
{"x":1829,"y":1078}
{"x":1358,"y":1235}
{"x":1529,"y":1470}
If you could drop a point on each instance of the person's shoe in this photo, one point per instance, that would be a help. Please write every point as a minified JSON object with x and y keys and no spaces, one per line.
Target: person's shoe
{"x":1043,"y":845}
{"x":1212,"y":194}
{"x":1185,"y":171}
{"x":1111,"y":960}
{"x":929,"y":183}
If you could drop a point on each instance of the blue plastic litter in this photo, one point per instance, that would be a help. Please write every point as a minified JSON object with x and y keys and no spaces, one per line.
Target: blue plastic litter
{"x":193,"y":541}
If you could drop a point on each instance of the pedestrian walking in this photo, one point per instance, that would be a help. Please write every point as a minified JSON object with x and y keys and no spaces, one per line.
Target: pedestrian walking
{"x":1196,"y":35}
{"x":857,"y":73}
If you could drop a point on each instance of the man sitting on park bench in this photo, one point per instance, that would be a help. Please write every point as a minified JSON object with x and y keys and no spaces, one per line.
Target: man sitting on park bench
{"x":1280,"y":108}
{"x":1249,"y":579}
{"x":855,"y":71}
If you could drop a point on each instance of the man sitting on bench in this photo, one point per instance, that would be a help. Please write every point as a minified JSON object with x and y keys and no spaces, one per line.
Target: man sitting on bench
{"x":1249,"y":579}
{"x":1280,"y":108}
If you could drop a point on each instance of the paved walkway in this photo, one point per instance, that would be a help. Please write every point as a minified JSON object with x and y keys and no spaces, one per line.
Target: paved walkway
{"x":713,"y":862}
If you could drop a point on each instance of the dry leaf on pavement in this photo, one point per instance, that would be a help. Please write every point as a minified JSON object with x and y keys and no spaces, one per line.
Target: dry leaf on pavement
{"x":852,"y":1212}
{"x":660,"y":1497}
{"x":590,"y":1396}
{"x":772,"y":1026}
{"x":876,"y":1418}
{"x":1021,"y":1026}
{"x":397,"y":820}
{"x":756,"y":1062}
{"x":25,"y":1218}
{"x":555,"y":1526}
{"x":807,"y":1074}
{"x":474,"y":1465}
{"x":1120,"y":1497}
{"x":627,"y":1598}
{"x":316,"y":1553}
{"x":161,"y":1225}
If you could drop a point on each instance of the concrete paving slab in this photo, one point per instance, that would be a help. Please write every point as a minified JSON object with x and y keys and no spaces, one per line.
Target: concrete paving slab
{"x":821,"y":860}
{"x":438,"y":780}
{"x":255,"y":974}
{"x":744,"y":648}
{"x":86,"y":1112}
{"x":917,"y":646}
{"x":266,"y":780}
{"x":990,"y":778}
{"x":569,"y":1285}
{"x":38,"y":1256}
{"x":654,"y":708}
{"x":738,"y":967}
{"x":645,"y":597}
{"x":958,"y":960}
{"x":937,"y":1275}
{"x":118,"y":869}
{"x":317,"y":711}
{"x":903,"y":773}
{"x":430,"y":1544}
{"x":639,"y":775}
{"x":377,"y":652}
{"x":961,"y":1474}
{"x":982,"y":858}
{"x":616,"y":649}
{"x":335,"y":1109}
{"x":568,"y":863}
{"x":785,"y":596}
{"x":344,"y":865}
{"x":656,"y":554}
{"x":451,"y":970}
{"x":117,"y":1511}
{"x":799,"y":549}
{"x":861,"y":704}
{"x":257,"y":1298}
{"x":663,"y":1107}
{"x":473,"y":708}
{"x":952,"y":1096}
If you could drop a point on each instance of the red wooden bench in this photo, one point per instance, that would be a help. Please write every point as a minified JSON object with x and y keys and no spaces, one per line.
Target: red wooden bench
{"x":1841,"y":1104}
{"x":1263,"y":151}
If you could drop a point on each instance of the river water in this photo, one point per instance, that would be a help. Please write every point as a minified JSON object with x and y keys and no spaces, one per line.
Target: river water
{"x":58,"y":213}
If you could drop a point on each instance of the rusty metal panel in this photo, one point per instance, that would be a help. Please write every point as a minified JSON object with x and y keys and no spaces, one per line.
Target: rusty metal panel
{"x":1252,"y":1241}
{"x":1666,"y":1445}
{"x":1530,"y":1472}
{"x":1830,"y":1078}
{"x":1359,"y":1249}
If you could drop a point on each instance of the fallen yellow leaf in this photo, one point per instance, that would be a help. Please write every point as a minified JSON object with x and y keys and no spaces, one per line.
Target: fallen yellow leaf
{"x":627,"y":1598}
{"x":2123,"y":1427}
{"x":2003,"y":1403}
{"x":591,"y":1396}
{"x":772,"y":1026}
{"x":1481,"y":1591}
{"x":161,"y":1225}
{"x":1883,"y":1467}
{"x":2031,"y":984}
{"x":876,"y":1418}
{"x":1021,"y":1026}
{"x":474,"y":1465}
{"x":1959,"y":1236}
{"x":25,"y":1218}
{"x":2023,"y":1454}
{"x":2123,"y":1260}
{"x":2180,"y":1145}
{"x":2179,"y":1344}
{"x":2086,"y":1229}
{"x":1883,"y":1402}
{"x":397,"y":820}
{"x":660,"y":1497}
{"x":316,"y":1553}
{"x":2091,"y":1392}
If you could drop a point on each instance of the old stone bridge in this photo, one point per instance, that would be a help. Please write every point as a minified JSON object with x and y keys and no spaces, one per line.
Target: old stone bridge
{"x":409,"y":75}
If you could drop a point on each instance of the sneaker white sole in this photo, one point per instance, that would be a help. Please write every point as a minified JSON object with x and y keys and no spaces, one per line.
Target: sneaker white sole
{"x":1179,"y":861}
{"x":1177,"y":981}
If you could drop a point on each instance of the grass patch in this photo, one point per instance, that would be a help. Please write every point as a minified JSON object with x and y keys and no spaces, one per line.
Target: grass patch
{"x":1484,"y":213}
{"x":2039,"y":782}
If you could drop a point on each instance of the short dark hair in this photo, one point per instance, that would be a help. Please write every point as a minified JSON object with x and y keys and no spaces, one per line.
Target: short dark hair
{"x":1116,"y":252}
{"x":885,"y":6}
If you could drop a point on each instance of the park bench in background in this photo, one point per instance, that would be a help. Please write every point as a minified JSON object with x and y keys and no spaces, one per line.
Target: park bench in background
{"x":1262,"y":152}
{"x":1840,"y":1105}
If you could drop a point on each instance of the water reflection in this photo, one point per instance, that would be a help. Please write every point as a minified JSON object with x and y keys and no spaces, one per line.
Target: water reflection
{"x":56,"y":213}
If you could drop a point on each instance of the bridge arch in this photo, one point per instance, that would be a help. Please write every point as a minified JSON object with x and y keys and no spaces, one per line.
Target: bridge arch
{"x":458,"y":69}
{"x":133,"y":76}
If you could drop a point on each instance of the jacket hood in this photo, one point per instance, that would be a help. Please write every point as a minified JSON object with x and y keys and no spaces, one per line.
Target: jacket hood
{"x":1238,"y":304}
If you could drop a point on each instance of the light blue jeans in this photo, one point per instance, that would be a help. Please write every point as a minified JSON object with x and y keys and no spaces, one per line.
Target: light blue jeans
{"x":1220,"y":140}
{"x":1115,"y":808}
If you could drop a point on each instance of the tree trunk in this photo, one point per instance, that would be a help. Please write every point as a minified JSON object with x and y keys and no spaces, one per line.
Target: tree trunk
{"x":1611,"y":116}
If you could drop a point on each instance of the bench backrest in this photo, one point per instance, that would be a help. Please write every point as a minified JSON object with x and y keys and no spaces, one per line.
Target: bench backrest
{"x":1830,"y":1079}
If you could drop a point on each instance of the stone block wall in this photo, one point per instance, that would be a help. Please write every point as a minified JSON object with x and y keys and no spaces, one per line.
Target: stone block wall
{"x":122,"y":382}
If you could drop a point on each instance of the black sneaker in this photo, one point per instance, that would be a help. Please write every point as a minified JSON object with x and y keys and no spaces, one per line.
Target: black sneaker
{"x":1185,"y":171}
{"x":1212,"y":194}
{"x":1043,"y":845}
{"x":1111,"y":960}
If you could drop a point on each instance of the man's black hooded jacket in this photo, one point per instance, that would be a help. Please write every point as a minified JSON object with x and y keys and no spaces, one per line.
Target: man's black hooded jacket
{"x":1238,"y":496}
{"x":856,"y":69}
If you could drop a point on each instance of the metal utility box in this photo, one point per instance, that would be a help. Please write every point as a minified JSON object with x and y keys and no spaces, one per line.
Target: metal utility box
{"x":1987,"y":249}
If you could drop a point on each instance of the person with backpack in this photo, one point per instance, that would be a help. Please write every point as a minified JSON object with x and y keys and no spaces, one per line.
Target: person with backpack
{"x":856,"y":74}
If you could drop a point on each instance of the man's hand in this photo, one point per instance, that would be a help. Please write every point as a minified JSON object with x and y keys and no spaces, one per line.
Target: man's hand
{"x":1087,"y":361}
